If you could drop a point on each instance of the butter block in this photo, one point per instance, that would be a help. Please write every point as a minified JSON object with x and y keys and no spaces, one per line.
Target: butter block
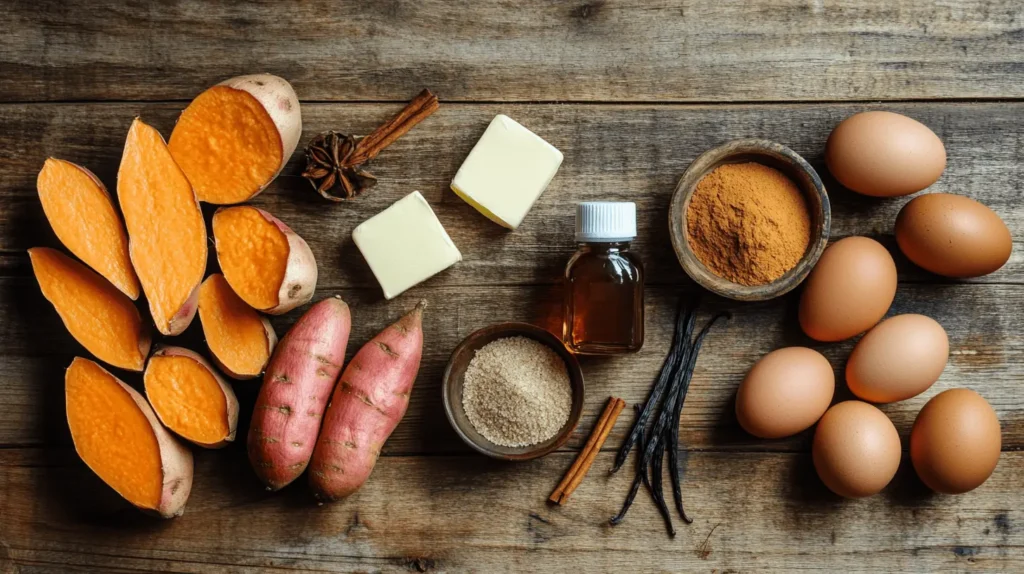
{"x":506,"y":171}
{"x":405,"y":245}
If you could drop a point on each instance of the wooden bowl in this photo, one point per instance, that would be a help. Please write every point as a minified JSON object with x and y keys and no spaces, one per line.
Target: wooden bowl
{"x":454,"y":376}
{"x":773,"y":155}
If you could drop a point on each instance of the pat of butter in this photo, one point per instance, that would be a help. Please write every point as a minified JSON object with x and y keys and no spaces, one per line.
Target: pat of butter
{"x":405,"y":245}
{"x":506,"y":171}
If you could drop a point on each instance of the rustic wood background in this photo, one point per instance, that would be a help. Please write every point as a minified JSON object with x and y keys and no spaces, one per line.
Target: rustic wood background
{"x":631,"y":93}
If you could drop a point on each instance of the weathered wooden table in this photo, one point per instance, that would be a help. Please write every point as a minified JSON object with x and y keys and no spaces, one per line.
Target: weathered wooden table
{"x":631,"y":94}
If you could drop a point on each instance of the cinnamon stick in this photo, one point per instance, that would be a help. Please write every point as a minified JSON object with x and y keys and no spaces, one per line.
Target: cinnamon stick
{"x":588,"y":454}
{"x":415,"y":112}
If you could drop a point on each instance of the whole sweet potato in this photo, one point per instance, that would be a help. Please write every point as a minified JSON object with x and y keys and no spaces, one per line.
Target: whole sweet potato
{"x":368,"y":403}
{"x":295,"y":391}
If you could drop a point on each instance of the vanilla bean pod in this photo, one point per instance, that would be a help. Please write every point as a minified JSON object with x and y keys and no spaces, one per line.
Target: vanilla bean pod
{"x":673,"y":449}
{"x":685,"y":319}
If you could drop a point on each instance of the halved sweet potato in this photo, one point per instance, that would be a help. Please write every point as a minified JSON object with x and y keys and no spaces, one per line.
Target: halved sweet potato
{"x":98,"y":316}
{"x":120,"y":439}
{"x":166,"y":231}
{"x":190,"y":398}
{"x":240,"y":339}
{"x":266,"y":263}
{"x":235,"y":137}
{"x":82,"y":215}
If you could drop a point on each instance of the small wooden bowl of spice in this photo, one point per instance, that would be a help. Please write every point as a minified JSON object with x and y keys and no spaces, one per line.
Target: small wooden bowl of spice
{"x":749,"y":220}
{"x":512,"y":391}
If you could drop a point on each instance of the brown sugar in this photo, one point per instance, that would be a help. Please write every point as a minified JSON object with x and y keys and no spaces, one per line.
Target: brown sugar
{"x":748,"y":223}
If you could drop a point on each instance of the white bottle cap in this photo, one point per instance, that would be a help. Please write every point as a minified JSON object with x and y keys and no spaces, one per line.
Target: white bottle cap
{"x":605,"y":221}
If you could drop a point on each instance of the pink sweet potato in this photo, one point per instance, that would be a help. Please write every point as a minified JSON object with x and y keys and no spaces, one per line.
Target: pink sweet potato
{"x":295,"y":391}
{"x":368,"y":403}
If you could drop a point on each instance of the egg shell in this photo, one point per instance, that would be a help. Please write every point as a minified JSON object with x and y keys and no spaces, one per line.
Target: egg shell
{"x":848,"y":291}
{"x":955,"y":441}
{"x":785,"y":392}
{"x":883,"y":154}
{"x":952,"y":235}
{"x":856,"y":449}
{"x":900,"y":358}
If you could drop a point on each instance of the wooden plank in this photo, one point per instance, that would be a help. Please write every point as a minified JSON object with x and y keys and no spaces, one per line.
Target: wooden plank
{"x":599,"y":50}
{"x":757,"y":511}
{"x":632,"y":153}
{"x":985,"y":338}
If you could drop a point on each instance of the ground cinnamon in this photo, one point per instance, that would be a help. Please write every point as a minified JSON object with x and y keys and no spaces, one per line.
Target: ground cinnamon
{"x":748,"y":223}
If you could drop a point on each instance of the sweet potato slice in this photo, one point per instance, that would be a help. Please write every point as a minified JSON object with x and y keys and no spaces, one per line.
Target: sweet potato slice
{"x":82,"y":215}
{"x":190,"y":397}
{"x":235,"y":137}
{"x":266,"y":263}
{"x":166,"y":231}
{"x":98,"y":316}
{"x":120,"y":439}
{"x":240,"y":340}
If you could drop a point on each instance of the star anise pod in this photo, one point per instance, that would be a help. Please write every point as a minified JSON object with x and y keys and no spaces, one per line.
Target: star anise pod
{"x":330,"y":172}
{"x":333,"y":159}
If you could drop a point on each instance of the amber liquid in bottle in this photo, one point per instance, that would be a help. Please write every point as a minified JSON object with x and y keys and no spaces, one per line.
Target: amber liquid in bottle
{"x":604,"y":300}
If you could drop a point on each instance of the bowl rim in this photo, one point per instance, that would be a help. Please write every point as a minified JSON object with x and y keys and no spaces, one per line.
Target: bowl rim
{"x":811,"y":186}
{"x":511,"y":329}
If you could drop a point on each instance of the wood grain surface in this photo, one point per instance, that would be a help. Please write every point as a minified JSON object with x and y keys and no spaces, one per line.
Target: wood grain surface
{"x":584,"y":50}
{"x":631,"y":93}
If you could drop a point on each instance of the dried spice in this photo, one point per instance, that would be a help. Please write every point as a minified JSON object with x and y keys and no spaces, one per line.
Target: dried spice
{"x":333,"y":159}
{"x":668,"y":395}
{"x":748,"y":223}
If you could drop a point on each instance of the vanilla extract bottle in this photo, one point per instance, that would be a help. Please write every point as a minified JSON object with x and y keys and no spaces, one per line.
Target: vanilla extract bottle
{"x":604,"y":283}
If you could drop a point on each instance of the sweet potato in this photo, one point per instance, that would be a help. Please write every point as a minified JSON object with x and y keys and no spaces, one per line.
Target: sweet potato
{"x":166,"y":231}
{"x":120,"y":439}
{"x":295,"y":391}
{"x":240,"y":339}
{"x":82,"y":214}
{"x":235,"y":137}
{"x":190,"y":398}
{"x":368,"y":403}
{"x":266,"y":263}
{"x":96,"y":314}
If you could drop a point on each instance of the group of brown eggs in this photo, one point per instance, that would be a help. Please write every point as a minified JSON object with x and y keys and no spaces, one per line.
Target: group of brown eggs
{"x":955,"y":440}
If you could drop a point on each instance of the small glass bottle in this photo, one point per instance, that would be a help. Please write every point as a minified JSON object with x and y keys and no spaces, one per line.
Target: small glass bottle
{"x":604,"y":283}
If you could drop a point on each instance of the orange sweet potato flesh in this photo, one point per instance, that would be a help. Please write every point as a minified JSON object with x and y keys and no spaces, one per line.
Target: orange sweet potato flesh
{"x":112,"y":435}
{"x":82,"y":215}
{"x":253,"y":255}
{"x":188,"y":398}
{"x":98,"y":316}
{"x":166,"y":231}
{"x":227,"y":144}
{"x":238,"y":337}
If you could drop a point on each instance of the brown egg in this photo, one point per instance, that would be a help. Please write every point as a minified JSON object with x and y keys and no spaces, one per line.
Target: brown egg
{"x":856,"y":449}
{"x":849,"y":290}
{"x":955,"y":441}
{"x":900,"y":358}
{"x":785,"y":392}
{"x":952,"y":235}
{"x":883,"y":154}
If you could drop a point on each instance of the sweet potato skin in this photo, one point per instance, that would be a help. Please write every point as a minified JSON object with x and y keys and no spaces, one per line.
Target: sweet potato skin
{"x":301,"y":274}
{"x":295,"y":391}
{"x":231,"y":401}
{"x":176,"y":460}
{"x":368,"y":403}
